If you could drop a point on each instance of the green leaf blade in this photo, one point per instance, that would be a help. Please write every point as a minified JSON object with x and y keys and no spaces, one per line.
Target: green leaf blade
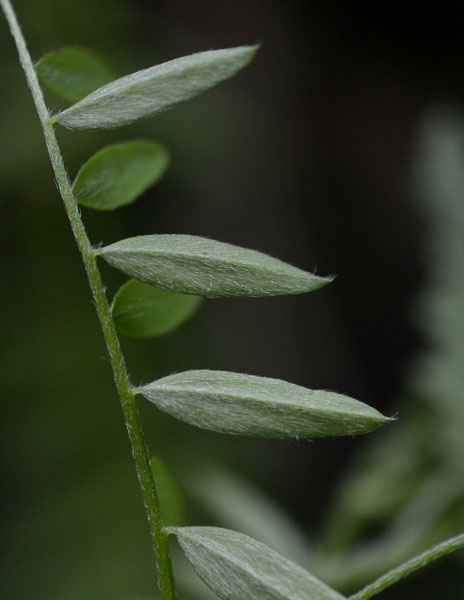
{"x":73,"y":72}
{"x":237,"y":567}
{"x":203,"y":267}
{"x":155,"y":89}
{"x":116,"y":175}
{"x":171,"y":501}
{"x":140,"y":310}
{"x":248,"y":405}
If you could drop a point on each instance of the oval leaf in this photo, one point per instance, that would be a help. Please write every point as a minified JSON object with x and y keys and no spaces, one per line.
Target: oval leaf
{"x":118,"y":174}
{"x":140,"y":310}
{"x":73,"y":72}
{"x":259,"y":406}
{"x":153,"y":90}
{"x":237,"y":567}
{"x":170,"y":498}
{"x":195,"y":265}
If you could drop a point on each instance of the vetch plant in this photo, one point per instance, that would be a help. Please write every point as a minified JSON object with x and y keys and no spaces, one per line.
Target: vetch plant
{"x":170,"y":273}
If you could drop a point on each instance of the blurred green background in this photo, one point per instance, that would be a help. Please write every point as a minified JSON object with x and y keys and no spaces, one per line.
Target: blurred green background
{"x":340,"y":148}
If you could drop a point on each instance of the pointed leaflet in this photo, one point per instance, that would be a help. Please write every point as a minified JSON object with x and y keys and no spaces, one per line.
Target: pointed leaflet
{"x":195,"y":265}
{"x":238,"y":567}
{"x":141,"y":311}
{"x":259,"y":406}
{"x":155,"y":89}
{"x":118,"y":174}
{"x":73,"y":72}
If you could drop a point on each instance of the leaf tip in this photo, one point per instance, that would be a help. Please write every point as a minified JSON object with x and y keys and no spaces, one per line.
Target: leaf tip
{"x":379,"y":420}
{"x":248,"y":54}
{"x":325,"y":280}
{"x":253,"y":50}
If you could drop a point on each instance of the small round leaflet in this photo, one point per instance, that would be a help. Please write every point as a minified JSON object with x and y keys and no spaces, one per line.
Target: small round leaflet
{"x":73,"y":72}
{"x":118,"y":174}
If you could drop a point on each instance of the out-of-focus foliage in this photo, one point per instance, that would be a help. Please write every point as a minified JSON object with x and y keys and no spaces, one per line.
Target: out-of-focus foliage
{"x":219,"y":493}
{"x":406,"y":492}
{"x":171,"y":500}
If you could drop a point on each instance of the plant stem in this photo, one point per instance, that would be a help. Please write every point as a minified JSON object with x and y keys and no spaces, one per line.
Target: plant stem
{"x":409,"y":567}
{"x":121,"y":377}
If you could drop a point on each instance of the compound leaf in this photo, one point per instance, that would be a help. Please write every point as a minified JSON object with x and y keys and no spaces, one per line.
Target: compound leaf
{"x":153,"y":90}
{"x":141,"y":310}
{"x":195,"y":265}
{"x":248,"y":405}
{"x":118,"y":174}
{"x":237,"y":567}
{"x":73,"y":72}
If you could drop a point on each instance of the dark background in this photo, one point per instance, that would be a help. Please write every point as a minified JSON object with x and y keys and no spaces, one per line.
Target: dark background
{"x":307,"y":155}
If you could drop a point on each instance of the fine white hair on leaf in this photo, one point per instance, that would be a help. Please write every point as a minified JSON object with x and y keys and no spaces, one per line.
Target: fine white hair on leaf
{"x":248,"y":405}
{"x":237,"y":567}
{"x":155,"y":89}
{"x":201,"y":266}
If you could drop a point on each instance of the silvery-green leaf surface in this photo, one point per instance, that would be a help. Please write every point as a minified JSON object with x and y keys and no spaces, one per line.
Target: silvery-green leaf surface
{"x":73,"y":72}
{"x":203,"y":267}
{"x":156,"y":89}
{"x":248,"y":405}
{"x":237,"y":567}
{"x":140,"y":310}
{"x":118,"y":174}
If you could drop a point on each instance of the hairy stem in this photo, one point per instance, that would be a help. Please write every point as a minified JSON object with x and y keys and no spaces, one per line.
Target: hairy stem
{"x":409,"y":567}
{"x":128,"y":401}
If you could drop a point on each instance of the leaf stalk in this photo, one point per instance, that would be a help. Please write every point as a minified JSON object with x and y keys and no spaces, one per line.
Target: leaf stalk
{"x":409,"y":567}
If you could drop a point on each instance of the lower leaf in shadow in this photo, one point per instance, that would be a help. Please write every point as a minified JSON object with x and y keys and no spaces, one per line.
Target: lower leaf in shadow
{"x":140,"y":310}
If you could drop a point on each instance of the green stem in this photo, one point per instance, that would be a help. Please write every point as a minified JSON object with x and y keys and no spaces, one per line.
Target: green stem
{"x":121,"y":377}
{"x":409,"y":567}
